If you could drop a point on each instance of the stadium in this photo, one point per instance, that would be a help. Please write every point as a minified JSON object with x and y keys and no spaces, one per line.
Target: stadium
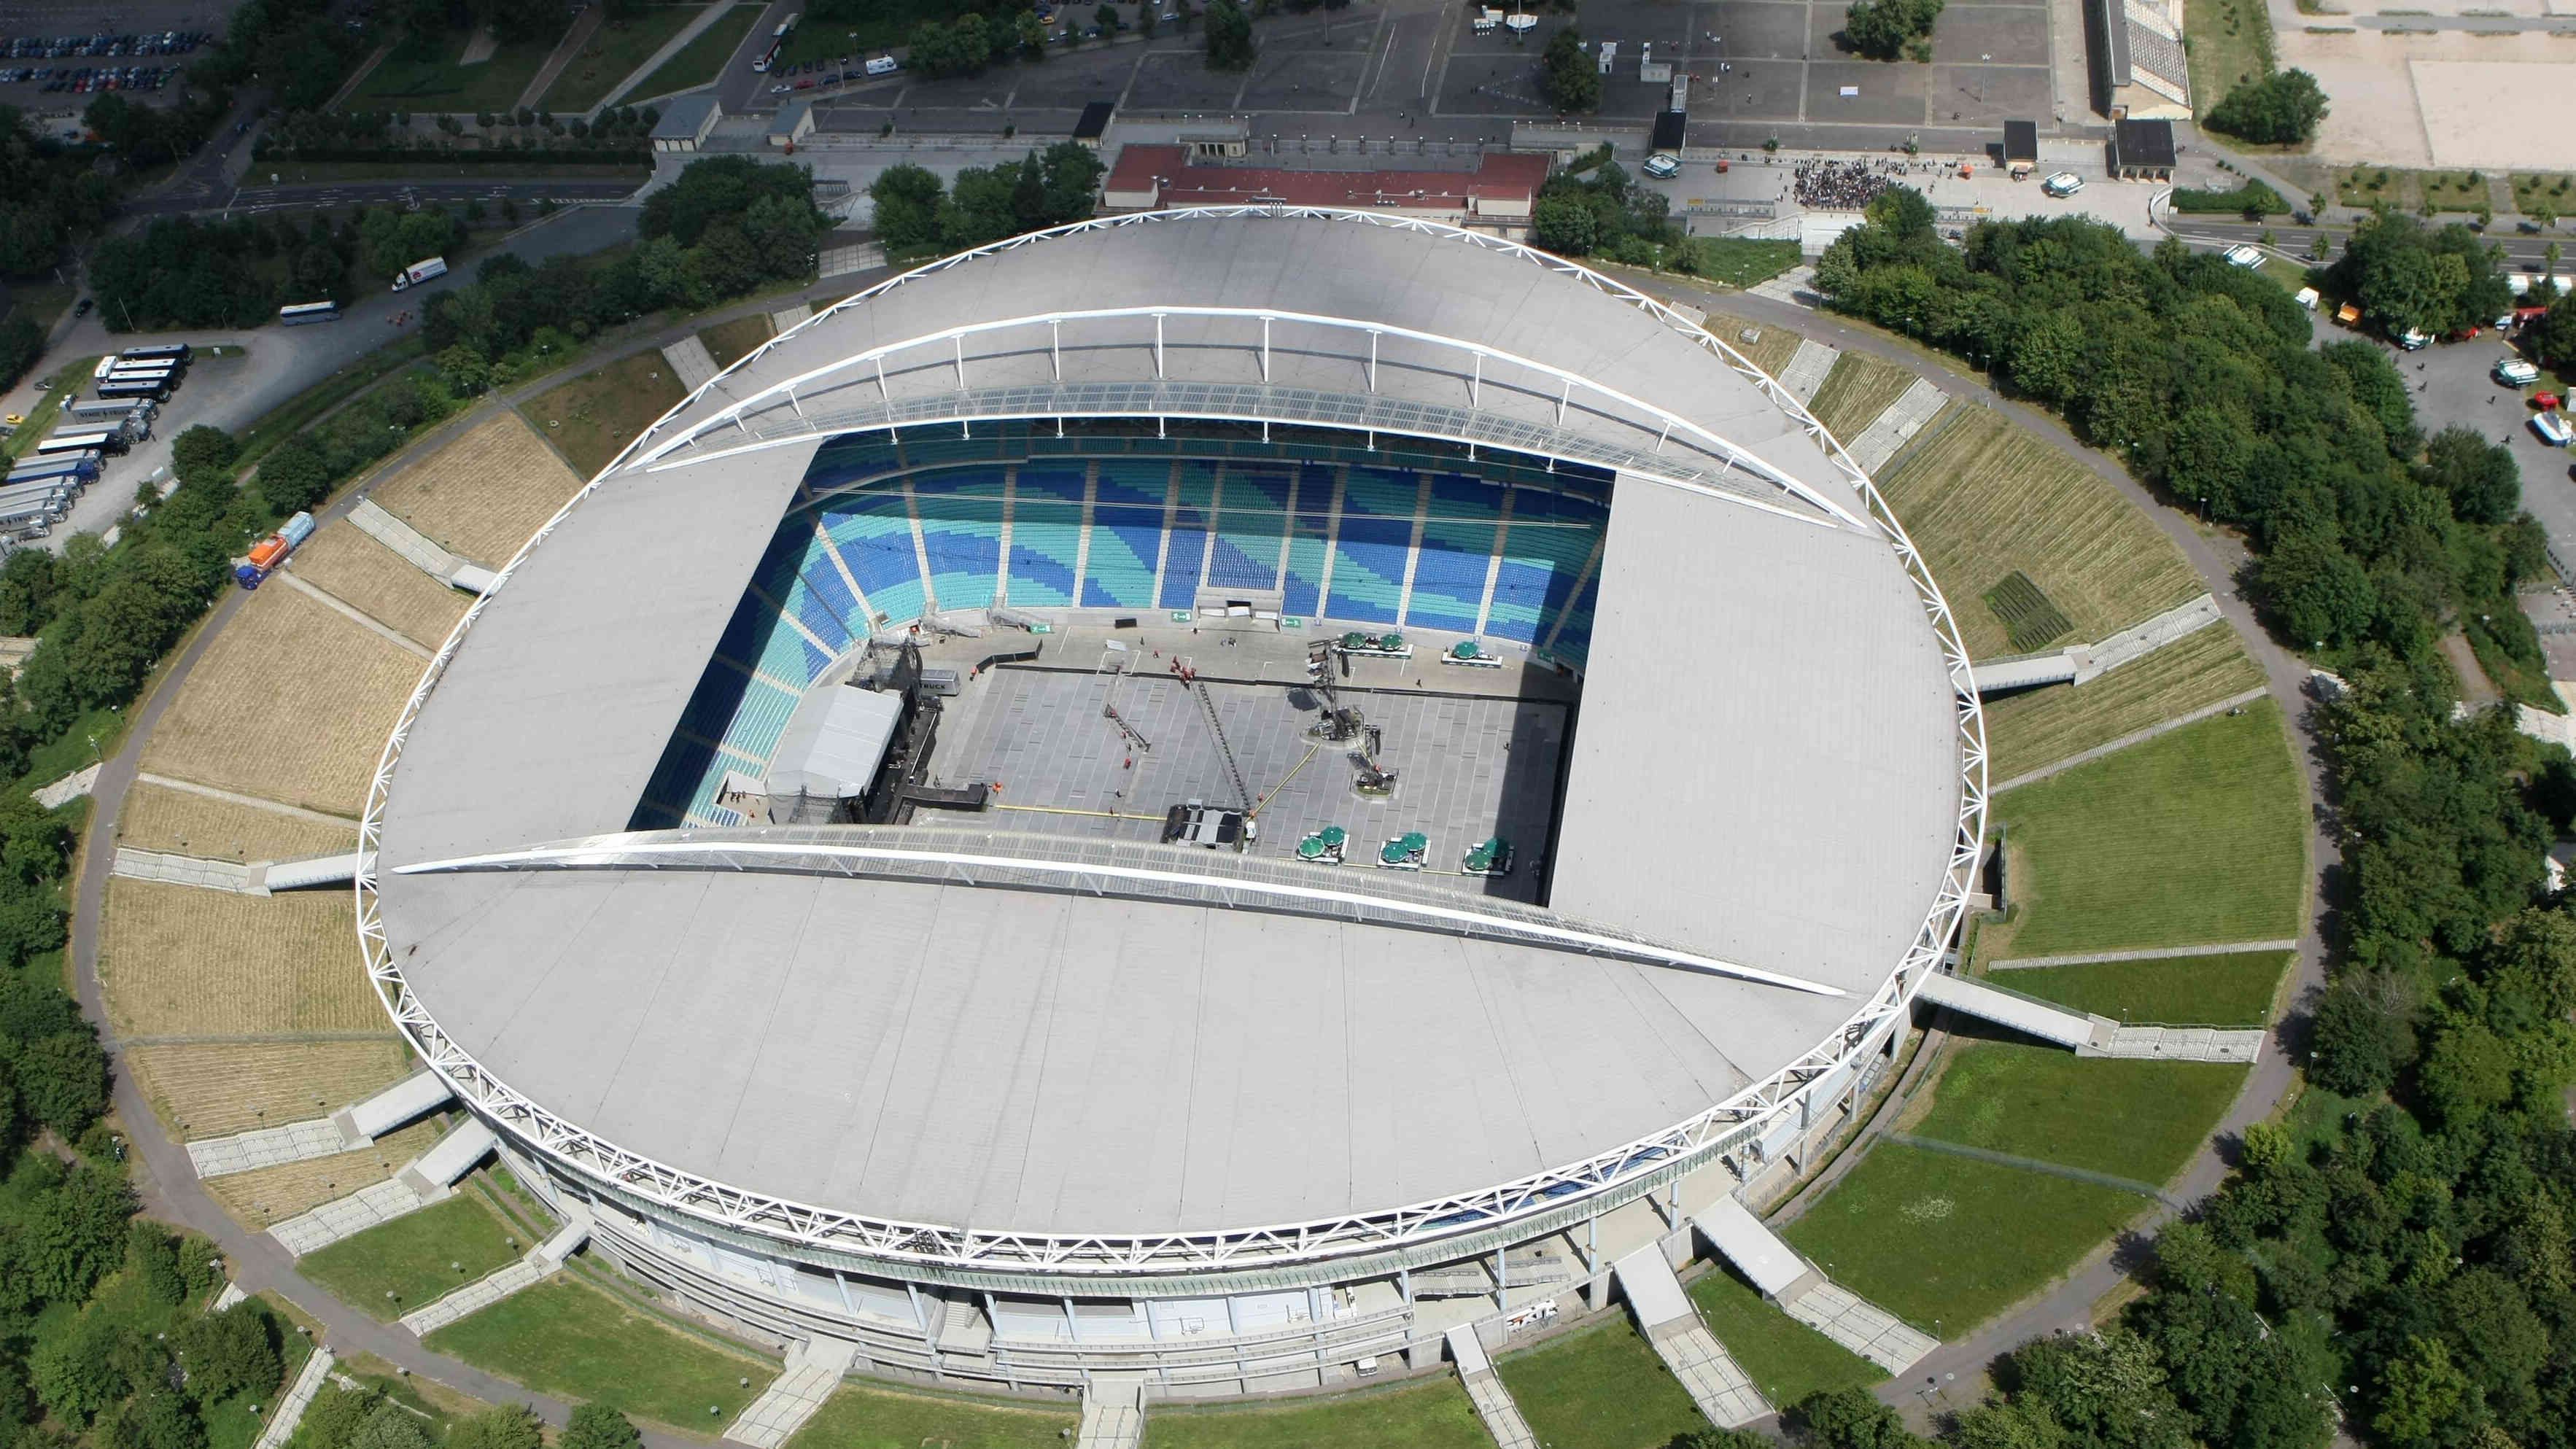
{"x":1212,"y":794}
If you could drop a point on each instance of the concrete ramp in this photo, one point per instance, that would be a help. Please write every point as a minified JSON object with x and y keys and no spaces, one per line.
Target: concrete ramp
{"x":1806,"y":371}
{"x":453,"y":1157}
{"x":1771,"y":1265}
{"x":2027,"y":1015}
{"x":351,"y":1215}
{"x":311,"y":872}
{"x":1861,"y":1326}
{"x":2092,"y":1036}
{"x":299,"y":1397}
{"x":690,"y":359}
{"x":786,"y":317}
{"x":2025,"y":671}
{"x":421,"y":1092}
{"x":1113,"y":1412}
{"x":1485,"y":1389}
{"x":480,"y":1294}
{"x":1715,"y":1382}
{"x":417,"y":548}
{"x":814,"y":1368}
{"x":2140,"y":640}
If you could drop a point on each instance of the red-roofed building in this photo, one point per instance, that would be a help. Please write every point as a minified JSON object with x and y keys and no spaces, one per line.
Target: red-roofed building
{"x":1497,"y":196}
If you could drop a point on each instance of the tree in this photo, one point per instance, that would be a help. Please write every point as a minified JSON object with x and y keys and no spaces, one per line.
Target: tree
{"x":597,"y":1426}
{"x":506,"y":1426}
{"x":74,"y":1370}
{"x":907,"y":199}
{"x":62,"y":1080}
{"x":2282,"y":109}
{"x":2357,"y":1042}
{"x":390,"y":1426}
{"x":1852,"y":1419}
{"x":2422,"y":1394}
{"x":229,"y":1353}
{"x":1883,"y":29}
{"x":2108,"y":1387}
{"x":2555,"y":341}
{"x":1229,"y":36}
{"x":1567,"y":73}
{"x":2320,"y":593}
{"x":295,"y":475}
{"x":1564,"y":225}
{"x":2482,"y":479}
{"x":204,"y":451}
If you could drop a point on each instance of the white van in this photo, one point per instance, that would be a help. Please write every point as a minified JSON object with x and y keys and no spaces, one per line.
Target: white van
{"x":1662,"y":167}
{"x":2063,"y":184}
{"x":2514,"y":372}
{"x":884,"y":65}
{"x":2245,"y":256}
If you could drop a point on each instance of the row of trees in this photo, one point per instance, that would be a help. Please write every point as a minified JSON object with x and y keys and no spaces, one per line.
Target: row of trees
{"x":181,"y":272}
{"x":362,"y":1418}
{"x":1606,"y":213}
{"x":1048,"y":188}
{"x":2403,"y":1260}
{"x":617,"y":131}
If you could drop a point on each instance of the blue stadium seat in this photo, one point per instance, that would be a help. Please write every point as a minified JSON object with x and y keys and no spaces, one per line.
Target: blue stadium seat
{"x":961,"y":530}
{"x":1126,"y":535}
{"x":1371,"y":553}
{"x":1251,"y":524}
{"x":872,"y":532}
{"x":1310,"y":525}
{"x":1457,"y":552}
{"x":1046,"y":536}
{"x":1185,"y":555}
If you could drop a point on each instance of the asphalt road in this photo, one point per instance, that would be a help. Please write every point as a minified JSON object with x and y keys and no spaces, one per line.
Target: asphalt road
{"x":2525,"y":251}
{"x":333,"y":194}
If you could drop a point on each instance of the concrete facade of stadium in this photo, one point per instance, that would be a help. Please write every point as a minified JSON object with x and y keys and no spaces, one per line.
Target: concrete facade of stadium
{"x":991,"y":1107}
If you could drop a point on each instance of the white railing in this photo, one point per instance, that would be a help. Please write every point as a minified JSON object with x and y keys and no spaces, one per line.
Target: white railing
{"x":1629,"y":1166}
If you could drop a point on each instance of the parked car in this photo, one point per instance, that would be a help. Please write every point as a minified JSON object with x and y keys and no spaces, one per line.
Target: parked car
{"x":1662,"y":167}
{"x":2063,"y":184}
{"x":2514,"y":372}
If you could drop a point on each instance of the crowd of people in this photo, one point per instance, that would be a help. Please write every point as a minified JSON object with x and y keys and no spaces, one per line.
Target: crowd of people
{"x":1843,"y":185}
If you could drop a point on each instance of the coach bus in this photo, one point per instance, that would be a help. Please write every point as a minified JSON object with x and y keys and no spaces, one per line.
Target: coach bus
{"x":777,"y":42}
{"x":147,"y":391}
{"x":303,"y":312}
{"x":178,"y":352}
{"x":142,"y":371}
{"x":82,"y":440}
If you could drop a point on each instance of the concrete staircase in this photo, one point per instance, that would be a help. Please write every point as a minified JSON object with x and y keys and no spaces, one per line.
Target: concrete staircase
{"x":1806,"y":1294}
{"x":1113,"y":1412}
{"x":299,"y":1397}
{"x":815,"y":1367}
{"x":1889,"y":430}
{"x":425,"y":1180}
{"x":1715,"y":1382}
{"x":1485,"y":1389}
{"x":691,"y":361}
{"x":372,"y":520}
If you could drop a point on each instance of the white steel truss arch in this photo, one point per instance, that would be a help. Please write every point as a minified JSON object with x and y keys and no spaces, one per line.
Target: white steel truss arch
{"x":949,"y":346}
{"x":1617,"y":1174}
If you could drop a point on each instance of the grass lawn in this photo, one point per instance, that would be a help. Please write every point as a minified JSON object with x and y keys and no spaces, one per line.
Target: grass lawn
{"x":1741,"y":261}
{"x":2453,"y":190}
{"x":1983,"y":498}
{"x":418,"y":1257}
{"x":1856,"y":392}
{"x":49,"y":405}
{"x":1433,"y":1415}
{"x":422,"y":75}
{"x":887,"y":24}
{"x":1948,"y":1242}
{"x":2230,"y":42}
{"x":2539,"y":188}
{"x":874,"y":1418}
{"x":565,"y":1337}
{"x":2140,"y":1120}
{"x":2195,"y":837}
{"x":2231,"y":990}
{"x":613,"y":51}
{"x":1787,"y":1359}
{"x":72,"y":749}
{"x":699,"y":61}
{"x":1599,"y":1388}
{"x":730,"y":342}
{"x":2029,"y":731}
{"x":591,"y":417}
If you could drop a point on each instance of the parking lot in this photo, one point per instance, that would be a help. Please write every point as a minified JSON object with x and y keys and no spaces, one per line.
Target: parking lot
{"x":55,"y":58}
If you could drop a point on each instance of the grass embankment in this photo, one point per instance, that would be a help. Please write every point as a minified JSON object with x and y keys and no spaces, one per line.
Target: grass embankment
{"x":1741,"y":261}
{"x":1786,"y":1359}
{"x":415,"y":1260}
{"x":1769,"y":349}
{"x":300,"y":411}
{"x":2031,"y":731}
{"x":1433,"y":1415}
{"x":700,"y":61}
{"x":612,"y":53}
{"x":1857,"y":390}
{"x":2141,"y":1120}
{"x":1948,"y":1242}
{"x":1984,"y":499}
{"x":1599,"y":1388}
{"x":2235,"y":989}
{"x":2196,"y":837}
{"x":423,"y":75}
{"x":590,"y":418}
{"x":565,"y":1337}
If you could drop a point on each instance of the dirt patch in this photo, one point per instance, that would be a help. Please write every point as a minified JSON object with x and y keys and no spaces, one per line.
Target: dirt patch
{"x":381,"y":584}
{"x":184,"y":961}
{"x":483,"y":495}
{"x":216,"y":1089}
{"x":185,"y":823}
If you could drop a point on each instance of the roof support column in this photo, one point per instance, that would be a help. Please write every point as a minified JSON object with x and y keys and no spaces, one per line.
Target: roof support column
{"x":1158,"y":346}
{"x":1265,"y":349}
{"x":1055,"y":345}
{"x":793,"y":403}
{"x":1476,"y":384}
{"x":884,"y":393}
{"x":1562,"y":399}
{"x":1374,"y":335}
{"x":960,"y":340}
